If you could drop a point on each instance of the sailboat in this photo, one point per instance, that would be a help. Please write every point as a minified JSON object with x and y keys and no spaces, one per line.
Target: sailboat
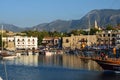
{"x":4,"y":54}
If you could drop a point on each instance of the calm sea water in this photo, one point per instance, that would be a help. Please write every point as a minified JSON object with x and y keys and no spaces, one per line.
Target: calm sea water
{"x":56,"y":67}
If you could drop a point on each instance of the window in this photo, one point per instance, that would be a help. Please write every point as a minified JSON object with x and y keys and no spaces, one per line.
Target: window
{"x":28,"y":39}
{"x":22,"y":39}
{"x":9,"y":40}
{"x":33,"y":40}
{"x":67,"y":41}
{"x":55,"y":41}
{"x":103,"y":35}
{"x":48,"y":41}
{"x":18,"y":40}
{"x":108,"y":35}
{"x":113,"y":35}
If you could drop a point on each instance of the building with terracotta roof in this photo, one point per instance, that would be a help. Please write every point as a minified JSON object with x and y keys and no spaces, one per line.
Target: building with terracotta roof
{"x":51,"y":42}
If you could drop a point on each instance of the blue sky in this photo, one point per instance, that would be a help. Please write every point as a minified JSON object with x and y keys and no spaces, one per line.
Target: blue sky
{"x":27,"y":13}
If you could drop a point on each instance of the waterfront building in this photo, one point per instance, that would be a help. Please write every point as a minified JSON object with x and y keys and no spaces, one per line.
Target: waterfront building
{"x":107,"y":38}
{"x":51,"y":42}
{"x":118,"y":39}
{"x":78,"y":41}
{"x":20,"y":42}
{"x":9,"y":43}
{"x":24,"y":42}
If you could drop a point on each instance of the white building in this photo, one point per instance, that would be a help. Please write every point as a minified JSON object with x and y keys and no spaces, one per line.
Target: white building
{"x":20,"y":42}
{"x":26,"y":42}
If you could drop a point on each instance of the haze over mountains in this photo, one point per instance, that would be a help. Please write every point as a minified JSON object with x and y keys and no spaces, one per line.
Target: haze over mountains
{"x":103,"y":17}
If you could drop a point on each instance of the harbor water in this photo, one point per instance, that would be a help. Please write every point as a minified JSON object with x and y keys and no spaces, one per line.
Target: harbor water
{"x":54,"y":67}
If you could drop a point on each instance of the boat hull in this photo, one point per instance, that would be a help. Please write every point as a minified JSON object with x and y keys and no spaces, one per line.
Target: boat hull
{"x":9,"y":57}
{"x":107,"y":65}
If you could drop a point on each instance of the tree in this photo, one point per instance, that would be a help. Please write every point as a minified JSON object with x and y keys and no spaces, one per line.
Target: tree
{"x":118,"y":24}
{"x":109,"y":27}
{"x":93,"y":31}
{"x":78,"y":32}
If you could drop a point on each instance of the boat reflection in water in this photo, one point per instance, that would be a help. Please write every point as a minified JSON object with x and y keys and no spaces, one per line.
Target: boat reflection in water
{"x":65,"y":61}
{"x":68,"y":61}
{"x":26,"y":60}
{"x":55,"y":67}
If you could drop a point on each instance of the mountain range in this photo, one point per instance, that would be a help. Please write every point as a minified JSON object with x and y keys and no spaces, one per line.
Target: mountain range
{"x":103,"y":17}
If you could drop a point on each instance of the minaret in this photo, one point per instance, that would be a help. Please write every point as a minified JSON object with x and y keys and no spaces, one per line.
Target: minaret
{"x":96,"y":26}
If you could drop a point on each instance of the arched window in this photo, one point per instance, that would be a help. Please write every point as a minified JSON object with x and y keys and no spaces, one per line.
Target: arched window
{"x":22,"y":39}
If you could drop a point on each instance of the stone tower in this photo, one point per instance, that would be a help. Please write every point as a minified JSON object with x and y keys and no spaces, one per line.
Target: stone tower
{"x":96,"y":25}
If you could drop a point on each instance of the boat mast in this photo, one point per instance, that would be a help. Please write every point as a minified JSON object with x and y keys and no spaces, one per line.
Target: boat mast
{"x":1,"y":38}
{"x":88,"y":30}
{"x":4,"y":61}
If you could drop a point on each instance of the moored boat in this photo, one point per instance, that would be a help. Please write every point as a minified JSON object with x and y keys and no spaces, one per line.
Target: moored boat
{"x":6,"y":56}
{"x":49,"y":53}
{"x":3,"y":53}
{"x":109,"y":64}
{"x":11,"y":57}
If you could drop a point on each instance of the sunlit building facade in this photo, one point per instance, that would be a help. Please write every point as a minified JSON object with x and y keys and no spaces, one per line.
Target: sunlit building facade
{"x":78,"y":41}
{"x":107,"y":38}
{"x":20,"y":42}
{"x":24,"y":42}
